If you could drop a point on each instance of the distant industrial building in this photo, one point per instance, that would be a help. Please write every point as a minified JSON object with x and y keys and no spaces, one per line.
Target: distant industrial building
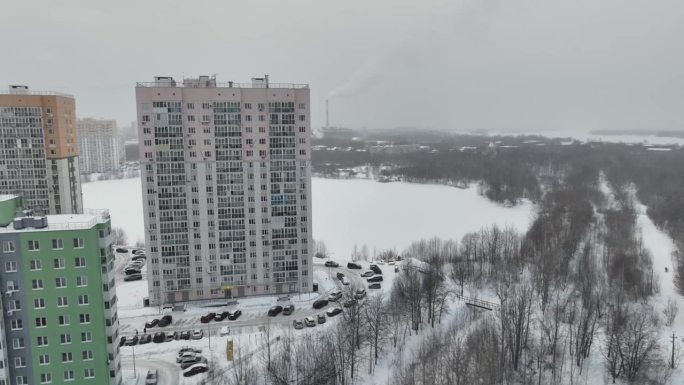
{"x":100,"y":145}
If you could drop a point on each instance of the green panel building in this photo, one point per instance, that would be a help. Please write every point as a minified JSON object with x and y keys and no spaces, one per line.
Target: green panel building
{"x":60,"y":323}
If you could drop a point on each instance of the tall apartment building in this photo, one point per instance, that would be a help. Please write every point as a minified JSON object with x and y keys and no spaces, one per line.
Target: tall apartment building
{"x":226,"y":171}
{"x":59,"y":313}
{"x":99,"y":144}
{"x":38,"y":150}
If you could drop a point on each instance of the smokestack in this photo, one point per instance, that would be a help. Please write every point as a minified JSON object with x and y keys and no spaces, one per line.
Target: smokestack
{"x":327,"y":114}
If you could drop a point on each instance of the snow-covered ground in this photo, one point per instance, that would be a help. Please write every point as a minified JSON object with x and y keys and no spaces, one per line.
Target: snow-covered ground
{"x":348,"y":212}
{"x":586,"y":136}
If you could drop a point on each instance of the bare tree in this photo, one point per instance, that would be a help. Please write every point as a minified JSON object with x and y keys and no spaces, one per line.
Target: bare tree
{"x":119,"y":237}
{"x":670,"y":311}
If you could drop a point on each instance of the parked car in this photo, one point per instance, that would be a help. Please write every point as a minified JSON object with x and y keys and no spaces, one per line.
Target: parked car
{"x":376,"y":269}
{"x":368,"y":273}
{"x":319,"y":303}
{"x":381,"y":262}
{"x":289,"y":309}
{"x":139,"y":257}
{"x":345,"y":281}
{"x":170,"y":336}
{"x":151,"y":324}
{"x":185,"y":335}
{"x":207,"y":318}
{"x":310,"y":321}
{"x":145,"y":339}
{"x":159,"y":337}
{"x":131,"y":341}
{"x":334,"y":296}
{"x":340,"y":276}
{"x":334,"y":311}
{"x":353,"y":265}
{"x":350,"y":303}
{"x":198,"y":360}
{"x":195,"y":369}
{"x":274,"y":311}
{"x":122,"y":340}
{"x":321,"y":319}
{"x":360,"y":293}
{"x":189,"y":356}
{"x":152,"y":377}
{"x":121,"y":250}
{"x":138,"y":251}
{"x":165,"y":321}
{"x":374,"y":286}
{"x":331,"y":264}
{"x":235,"y":314}
{"x":188,"y":349}
{"x":133,"y":277}
{"x":298,"y":324}
{"x":197,"y":334}
{"x":377,"y":278}
{"x":224,"y":331}
{"x":132,"y":270}
{"x":221,"y":316}
{"x":391,"y":262}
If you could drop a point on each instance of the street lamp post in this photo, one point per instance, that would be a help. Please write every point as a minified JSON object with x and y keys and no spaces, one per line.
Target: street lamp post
{"x":135,"y":375}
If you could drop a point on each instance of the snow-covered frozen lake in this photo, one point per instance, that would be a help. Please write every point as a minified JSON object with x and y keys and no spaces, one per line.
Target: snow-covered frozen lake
{"x":351,"y":211}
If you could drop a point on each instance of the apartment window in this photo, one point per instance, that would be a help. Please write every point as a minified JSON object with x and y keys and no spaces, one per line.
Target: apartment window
{"x":37,"y":284}
{"x":86,"y":337}
{"x":33,"y":245}
{"x":84,"y":318}
{"x":67,"y":357}
{"x":250,"y":141}
{"x":19,"y":362}
{"x":262,"y":141}
{"x":44,"y":359}
{"x":45,"y":378}
{"x":16,"y":324}
{"x":60,"y":282}
{"x":81,"y":281}
{"x":250,"y":152}
{"x":78,"y":243}
{"x":22,"y":380}
{"x":80,"y":261}
{"x":42,"y":340}
{"x":63,"y":320}
{"x":58,"y":263}
{"x":302,"y":106}
{"x":87,"y":355}
{"x":302,"y":118}
{"x":57,"y":244}
{"x":83,"y":299}
{"x":262,"y":130}
{"x":302,"y":129}
{"x":89,"y":373}
{"x":35,"y":264}
{"x":39,"y":303}
{"x":8,"y":247}
{"x":18,"y":343}
{"x":62,"y":302}
{"x":10,"y":266}
{"x":65,"y":338}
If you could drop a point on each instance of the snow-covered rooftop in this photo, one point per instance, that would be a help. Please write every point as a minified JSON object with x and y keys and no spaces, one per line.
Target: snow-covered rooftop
{"x":61,"y":222}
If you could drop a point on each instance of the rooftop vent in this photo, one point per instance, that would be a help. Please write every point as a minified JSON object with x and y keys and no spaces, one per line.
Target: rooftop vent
{"x":18,"y":89}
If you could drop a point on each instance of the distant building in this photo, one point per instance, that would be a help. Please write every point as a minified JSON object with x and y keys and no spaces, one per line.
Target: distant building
{"x":59,"y":319}
{"x":100,"y":145}
{"x":132,"y":150}
{"x":39,"y":151}
{"x":338,"y":133}
{"x":226,"y":171}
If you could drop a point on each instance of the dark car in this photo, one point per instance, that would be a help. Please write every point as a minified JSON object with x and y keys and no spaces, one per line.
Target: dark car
{"x":145,"y":339}
{"x":377,"y":278}
{"x":139,"y":257}
{"x":376,"y":269}
{"x":374,"y":286}
{"x":133,"y":277}
{"x":159,"y":337}
{"x":151,"y":324}
{"x":138,"y":251}
{"x":321,"y":319}
{"x":349,"y":303}
{"x":331,"y":264}
{"x":207,"y":318}
{"x":275,"y":310}
{"x":340,"y":276}
{"x":132,"y":270}
{"x":185,"y":335}
{"x":165,"y":321}
{"x":121,"y":250}
{"x":235,"y":315}
{"x":221,"y":316}
{"x":122,"y":341}
{"x":132,"y":341}
{"x":289,"y":309}
{"x":319,"y":303}
{"x":353,"y":265}
{"x":333,"y":312}
{"x":367,"y":274}
{"x":195,"y":369}
{"x":198,"y":360}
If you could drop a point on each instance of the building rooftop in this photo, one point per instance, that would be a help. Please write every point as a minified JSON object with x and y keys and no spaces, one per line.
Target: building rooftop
{"x":62,"y":222}
{"x":20,"y":90}
{"x":210,"y":82}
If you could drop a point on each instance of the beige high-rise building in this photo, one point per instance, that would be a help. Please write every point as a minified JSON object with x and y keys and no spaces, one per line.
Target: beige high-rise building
{"x":100,"y":145}
{"x":226,"y":184}
{"x":39,"y":150}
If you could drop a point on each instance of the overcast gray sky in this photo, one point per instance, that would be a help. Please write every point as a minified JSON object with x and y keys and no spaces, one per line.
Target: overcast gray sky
{"x":451,"y":64}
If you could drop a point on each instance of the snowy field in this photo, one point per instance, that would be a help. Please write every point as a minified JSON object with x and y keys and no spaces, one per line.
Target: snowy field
{"x":350,"y":211}
{"x":586,"y":136}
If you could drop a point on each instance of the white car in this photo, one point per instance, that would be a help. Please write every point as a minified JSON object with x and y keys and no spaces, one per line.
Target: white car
{"x":345,"y":281}
{"x":187,"y":356}
{"x":197,"y":334}
{"x":310,"y":321}
{"x":224,"y":331}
